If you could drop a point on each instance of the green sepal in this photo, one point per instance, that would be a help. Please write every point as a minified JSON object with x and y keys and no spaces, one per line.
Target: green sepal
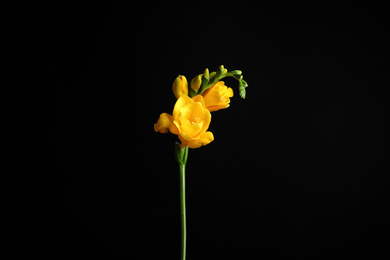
{"x":181,"y":155}
{"x":192,"y":93}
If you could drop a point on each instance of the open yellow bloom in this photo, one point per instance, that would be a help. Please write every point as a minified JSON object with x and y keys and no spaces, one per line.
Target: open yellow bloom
{"x":218,"y":96}
{"x":190,"y":120}
{"x":180,"y":86}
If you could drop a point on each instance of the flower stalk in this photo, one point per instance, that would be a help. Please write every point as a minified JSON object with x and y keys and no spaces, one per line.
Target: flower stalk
{"x":181,"y":156}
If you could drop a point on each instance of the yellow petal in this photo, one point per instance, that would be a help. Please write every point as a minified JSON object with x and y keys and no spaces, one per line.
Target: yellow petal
{"x":218,"y":107}
{"x":200,"y":114}
{"x":182,"y":132}
{"x":181,"y":102}
{"x":163,"y":123}
{"x":197,"y":112}
{"x":212,"y":98}
{"x":204,"y":139}
{"x":192,"y":130}
{"x":173,"y":129}
{"x":206,"y":119}
{"x":199,"y":98}
{"x":229,"y":92}
{"x":184,"y":115}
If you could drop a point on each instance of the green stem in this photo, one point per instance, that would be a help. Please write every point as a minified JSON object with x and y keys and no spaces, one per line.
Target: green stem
{"x":181,"y":157}
{"x":182,"y":169}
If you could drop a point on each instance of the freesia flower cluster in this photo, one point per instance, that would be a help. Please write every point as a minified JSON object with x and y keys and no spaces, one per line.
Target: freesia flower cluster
{"x":191,"y":115}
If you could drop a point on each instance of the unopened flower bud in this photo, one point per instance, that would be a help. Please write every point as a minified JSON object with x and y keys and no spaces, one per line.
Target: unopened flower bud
{"x":180,"y":86}
{"x":220,"y":71}
{"x":196,"y":82}
{"x":206,"y":73}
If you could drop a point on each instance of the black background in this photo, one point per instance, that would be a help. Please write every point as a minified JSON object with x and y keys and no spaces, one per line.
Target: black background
{"x":298,"y":170}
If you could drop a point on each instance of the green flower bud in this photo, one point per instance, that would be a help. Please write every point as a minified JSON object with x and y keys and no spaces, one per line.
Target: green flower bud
{"x":206,"y":73}
{"x":241,"y":87}
{"x":220,"y":71}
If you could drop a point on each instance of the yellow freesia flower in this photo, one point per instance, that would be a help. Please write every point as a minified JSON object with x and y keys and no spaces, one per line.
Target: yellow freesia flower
{"x":190,"y":120}
{"x":218,"y":96}
{"x":180,"y":86}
